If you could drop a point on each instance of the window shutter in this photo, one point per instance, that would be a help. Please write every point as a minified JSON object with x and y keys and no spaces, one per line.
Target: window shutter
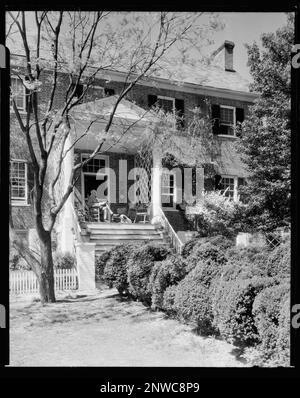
{"x":241,"y":181}
{"x":240,"y":115}
{"x":152,"y":100}
{"x":215,"y":115}
{"x":179,"y":106}
{"x":218,"y":179}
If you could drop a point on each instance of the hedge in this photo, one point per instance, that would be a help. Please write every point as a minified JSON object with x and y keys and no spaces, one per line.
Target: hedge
{"x":115,"y":271}
{"x":164,"y":274}
{"x":140,"y":265}
{"x":232,"y":302}
{"x":271,"y":320}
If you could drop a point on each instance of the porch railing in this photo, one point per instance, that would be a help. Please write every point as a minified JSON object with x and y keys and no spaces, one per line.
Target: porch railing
{"x":176,"y":243}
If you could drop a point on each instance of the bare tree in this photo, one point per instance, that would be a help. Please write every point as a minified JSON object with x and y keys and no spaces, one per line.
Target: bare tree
{"x":81,"y":44}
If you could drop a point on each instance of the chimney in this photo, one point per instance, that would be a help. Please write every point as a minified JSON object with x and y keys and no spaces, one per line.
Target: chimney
{"x":229,"y":45}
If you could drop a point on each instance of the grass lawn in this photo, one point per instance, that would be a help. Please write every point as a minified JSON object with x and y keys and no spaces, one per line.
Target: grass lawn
{"x":100,"y":329}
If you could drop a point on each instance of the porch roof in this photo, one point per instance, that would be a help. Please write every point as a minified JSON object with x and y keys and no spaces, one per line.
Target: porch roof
{"x":130,"y":128}
{"x":126,"y":110}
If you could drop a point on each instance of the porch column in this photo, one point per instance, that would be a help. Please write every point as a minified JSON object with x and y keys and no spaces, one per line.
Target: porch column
{"x":67,"y":216}
{"x":156,"y":180}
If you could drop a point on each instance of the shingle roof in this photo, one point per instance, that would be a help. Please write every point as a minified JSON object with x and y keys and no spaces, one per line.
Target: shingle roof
{"x":209,"y":75}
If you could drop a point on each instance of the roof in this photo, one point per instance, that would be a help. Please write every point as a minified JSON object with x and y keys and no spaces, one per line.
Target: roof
{"x":126,"y":111}
{"x":208,"y":75}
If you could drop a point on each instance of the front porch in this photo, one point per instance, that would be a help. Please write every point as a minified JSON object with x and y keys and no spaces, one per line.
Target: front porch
{"x":124,"y":183}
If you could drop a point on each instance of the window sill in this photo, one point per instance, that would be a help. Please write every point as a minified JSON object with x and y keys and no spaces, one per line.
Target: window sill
{"x":227,"y":136}
{"x":20,"y":204}
{"x":21,"y":112}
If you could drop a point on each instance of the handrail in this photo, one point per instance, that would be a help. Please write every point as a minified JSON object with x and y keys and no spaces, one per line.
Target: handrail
{"x":175,"y":240}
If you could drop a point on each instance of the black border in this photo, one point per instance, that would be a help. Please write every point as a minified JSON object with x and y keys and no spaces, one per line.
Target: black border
{"x":139,"y":375}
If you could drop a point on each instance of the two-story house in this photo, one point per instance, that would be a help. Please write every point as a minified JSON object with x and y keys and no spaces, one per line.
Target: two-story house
{"x":217,"y":89}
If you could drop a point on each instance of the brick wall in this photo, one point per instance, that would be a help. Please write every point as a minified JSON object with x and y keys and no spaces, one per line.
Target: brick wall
{"x":139,"y":94}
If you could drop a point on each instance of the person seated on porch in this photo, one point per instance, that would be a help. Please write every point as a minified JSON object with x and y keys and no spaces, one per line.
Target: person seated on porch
{"x":98,"y":211}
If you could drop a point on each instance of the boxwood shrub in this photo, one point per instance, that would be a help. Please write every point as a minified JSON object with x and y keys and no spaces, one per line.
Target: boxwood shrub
{"x":232,"y":302}
{"x":115,"y":271}
{"x":164,"y":274}
{"x":140,"y":265}
{"x":220,"y":241}
{"x":271,"y":320}
{"x":191,"y":299}
{"x":100,"y":264}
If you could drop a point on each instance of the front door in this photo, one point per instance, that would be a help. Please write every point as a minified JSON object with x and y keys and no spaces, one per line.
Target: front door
{"x":168,"y":189}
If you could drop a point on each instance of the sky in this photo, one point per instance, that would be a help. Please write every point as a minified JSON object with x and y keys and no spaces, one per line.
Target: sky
{"x":244,"y":28}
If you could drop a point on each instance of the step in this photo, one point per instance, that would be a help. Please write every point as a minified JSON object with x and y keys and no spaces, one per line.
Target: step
{"x":123,"y":237}
{"x":123,"y":232}
{"x":118,"y":242}
{"x":120,"y":226}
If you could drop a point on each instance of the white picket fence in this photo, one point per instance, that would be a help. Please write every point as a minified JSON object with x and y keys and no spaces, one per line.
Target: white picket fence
{"x":24,"y":282}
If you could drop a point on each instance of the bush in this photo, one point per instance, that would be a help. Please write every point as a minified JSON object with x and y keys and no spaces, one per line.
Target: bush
{"x":217,"y":214}
{"x":279,"y":260}
{"x":232,"y":308}
{"x":270,"y":320}
{"x":64,"y":260}
{"x":164,"y":274}
{"x":168,"y":300}
{"x":115,"y":271}
{"x":206,"y":252}
{"x":140,"y":265}
{"x":101,"y":263}
{"x":222,"y":242}
{"x":283,"y":340}
{"x":191,"y":299}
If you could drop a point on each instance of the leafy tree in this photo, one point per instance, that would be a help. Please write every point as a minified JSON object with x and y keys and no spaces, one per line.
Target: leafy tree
{"x":265,"y":134}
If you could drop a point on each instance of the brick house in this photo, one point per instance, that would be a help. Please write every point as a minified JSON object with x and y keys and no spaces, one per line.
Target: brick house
{"x":217,"y":89}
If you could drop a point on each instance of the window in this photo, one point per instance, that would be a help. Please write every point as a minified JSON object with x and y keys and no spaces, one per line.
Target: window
{"x":18,"y":92}
{"x":109,"y":92}
{"x":227,"y":120}
{"x":94,"y":164}
{"x":168,"y":189}
{"x":167,"y":104}
{"x":18,"y":182}
{"x":228,"y":185}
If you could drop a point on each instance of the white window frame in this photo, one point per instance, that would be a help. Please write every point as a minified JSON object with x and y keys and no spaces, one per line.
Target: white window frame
{"x":168,"y":208}
{"x":16,"y":201}
{"x":235,"y":185}
{"x":23,"y":109}
{"x":227,"y":124}
{"x":169,"y":99}
{"x":83,"y":173}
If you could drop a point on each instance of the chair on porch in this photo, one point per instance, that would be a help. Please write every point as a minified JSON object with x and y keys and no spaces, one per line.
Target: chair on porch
{"x":142,"y":214}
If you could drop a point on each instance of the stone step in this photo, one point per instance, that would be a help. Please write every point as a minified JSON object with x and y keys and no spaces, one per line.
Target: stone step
{"x":100,"y":242}
{"x":113,"y":226}
{"x":140,"y":232}
{"x":105,"y":237}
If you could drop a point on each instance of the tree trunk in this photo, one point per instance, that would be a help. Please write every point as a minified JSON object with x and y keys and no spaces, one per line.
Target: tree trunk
{"x":46,"y":275}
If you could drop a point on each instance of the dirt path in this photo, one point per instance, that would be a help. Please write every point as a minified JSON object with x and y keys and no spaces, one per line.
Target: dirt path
{"x":102,"y":330}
